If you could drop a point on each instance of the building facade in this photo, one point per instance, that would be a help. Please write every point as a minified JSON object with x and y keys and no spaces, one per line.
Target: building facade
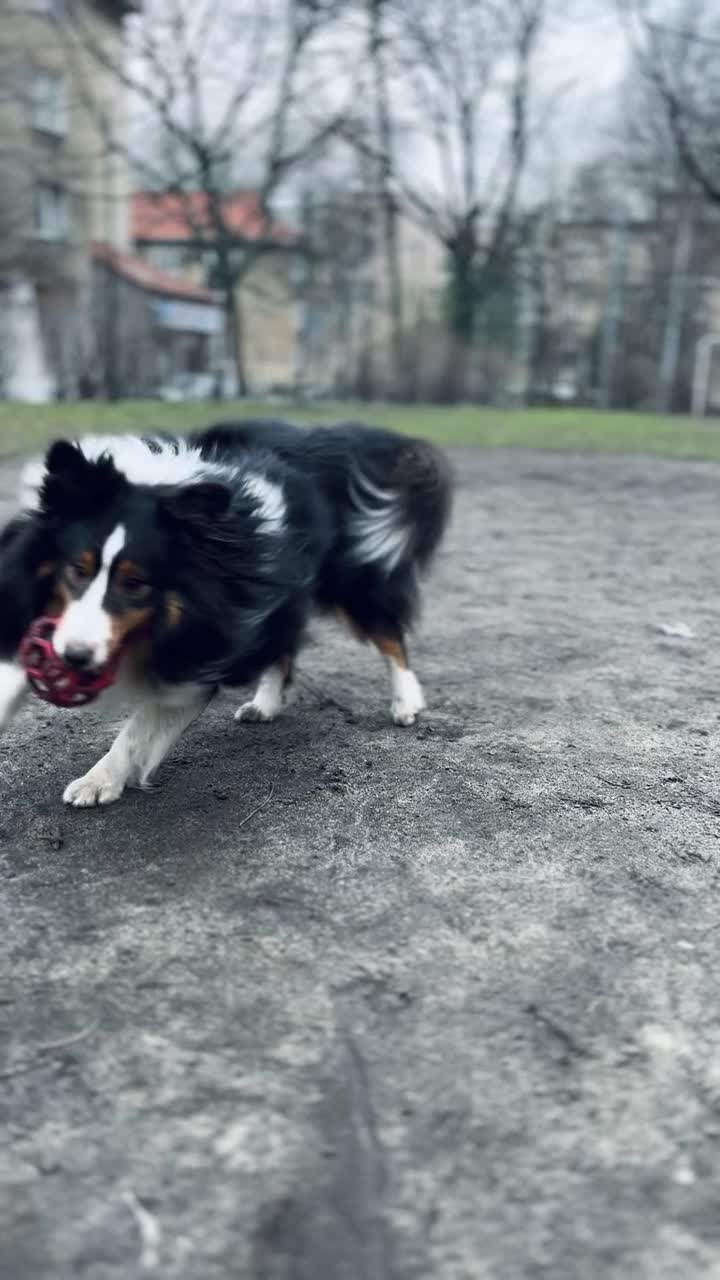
{"x":174,"y":233}
{"x":155,"y":333}
{"x":60,"y":186}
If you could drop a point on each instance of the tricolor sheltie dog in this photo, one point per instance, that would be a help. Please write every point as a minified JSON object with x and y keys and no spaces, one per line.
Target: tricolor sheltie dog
{"x":195,"y":563}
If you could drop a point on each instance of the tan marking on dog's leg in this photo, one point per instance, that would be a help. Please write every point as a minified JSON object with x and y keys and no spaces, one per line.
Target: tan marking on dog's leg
{"x":407,"y":695}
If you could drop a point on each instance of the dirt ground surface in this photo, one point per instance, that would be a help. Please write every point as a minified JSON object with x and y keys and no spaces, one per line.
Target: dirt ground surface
{"x":341,"y":1001}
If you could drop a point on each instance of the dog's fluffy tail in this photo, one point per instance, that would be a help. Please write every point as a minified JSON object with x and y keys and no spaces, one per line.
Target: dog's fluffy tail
{"x":400,"y":492}
{"x":426,"y":483}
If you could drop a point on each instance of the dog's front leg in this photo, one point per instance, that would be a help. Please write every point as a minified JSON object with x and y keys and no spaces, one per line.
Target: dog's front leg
{"x":13,"y":689}
{"x":138,"y":750}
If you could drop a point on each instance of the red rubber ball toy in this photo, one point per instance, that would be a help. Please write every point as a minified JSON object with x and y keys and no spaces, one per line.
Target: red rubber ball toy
{"x":49,"y":676}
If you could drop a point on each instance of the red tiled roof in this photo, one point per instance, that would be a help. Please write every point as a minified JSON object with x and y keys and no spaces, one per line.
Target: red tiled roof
{"x":152,"y":279}
{"x":166,"y":217}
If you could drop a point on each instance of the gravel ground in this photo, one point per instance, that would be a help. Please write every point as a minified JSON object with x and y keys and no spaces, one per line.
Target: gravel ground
{"x":446,"y":1007}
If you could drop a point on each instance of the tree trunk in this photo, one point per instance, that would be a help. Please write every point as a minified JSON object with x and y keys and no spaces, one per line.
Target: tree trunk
{"x":675,"y":313}
{"x":387,"y":201}
{"x":227,"y":282}
{"x":614,"y":312}
{"x":392,"y":258}
{"x":234,"y":336}
{"x":454,"y":375}
{"x":111,"y":372}
{"x":462,"y":308}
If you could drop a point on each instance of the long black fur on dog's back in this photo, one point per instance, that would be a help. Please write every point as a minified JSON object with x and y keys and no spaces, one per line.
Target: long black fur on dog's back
{"x":355,"y":463}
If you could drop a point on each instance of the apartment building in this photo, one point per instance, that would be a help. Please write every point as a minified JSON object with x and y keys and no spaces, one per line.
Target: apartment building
{"x":61,"y":188}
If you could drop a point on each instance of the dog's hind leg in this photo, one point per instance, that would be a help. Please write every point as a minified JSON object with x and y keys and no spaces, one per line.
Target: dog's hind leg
{"x":406,"y":691}
{"x":382,"y":616}
{"x":269,"y":697}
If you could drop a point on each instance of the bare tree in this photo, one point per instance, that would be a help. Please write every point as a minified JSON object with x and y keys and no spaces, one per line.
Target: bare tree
{"x":462,"y":76}
{"x":337,"y":290}
{"x":222,"y":90}
{"x":378,"y":53}
{"x":657,"y":178}
{"x":677,"y":46}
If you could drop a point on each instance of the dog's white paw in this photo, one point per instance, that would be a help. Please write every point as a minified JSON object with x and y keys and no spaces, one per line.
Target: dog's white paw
{"x":401,"y":715}
{"x":95,"y":788}
{"x":268,"y":699}
{"x":259,"y":712}
{"x":408,"y":699}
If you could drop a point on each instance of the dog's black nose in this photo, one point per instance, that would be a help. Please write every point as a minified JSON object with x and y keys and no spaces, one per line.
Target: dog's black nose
{"x":78,"y":656}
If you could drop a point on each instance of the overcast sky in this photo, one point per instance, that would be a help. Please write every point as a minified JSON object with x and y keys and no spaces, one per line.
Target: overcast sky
{"x":590,"y":57}
{"x":593,"y":53}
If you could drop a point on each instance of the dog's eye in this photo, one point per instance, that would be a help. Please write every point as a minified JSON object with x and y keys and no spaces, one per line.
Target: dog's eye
{"x":136,"y":587}
{"x":79,"y":570}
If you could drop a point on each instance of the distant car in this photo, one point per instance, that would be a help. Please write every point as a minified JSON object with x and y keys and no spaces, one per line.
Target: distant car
{"x":187,"y":386}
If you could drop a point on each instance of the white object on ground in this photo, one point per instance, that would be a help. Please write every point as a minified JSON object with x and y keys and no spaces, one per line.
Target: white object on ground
{"x":679,"y":630}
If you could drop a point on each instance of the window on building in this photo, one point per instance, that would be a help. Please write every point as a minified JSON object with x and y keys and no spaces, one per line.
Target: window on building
{"x":52,"y":211}
{"x":49,"y":103}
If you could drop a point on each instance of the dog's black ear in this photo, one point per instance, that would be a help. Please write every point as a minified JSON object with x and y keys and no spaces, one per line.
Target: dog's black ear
{"x":200,"y":503}
{"x":65,"y":459}
{"x":73,"y":484}
{"x":66,"y":475}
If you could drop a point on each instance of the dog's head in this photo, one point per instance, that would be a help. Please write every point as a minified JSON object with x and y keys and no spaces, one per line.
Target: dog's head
{"x":119,"y":549}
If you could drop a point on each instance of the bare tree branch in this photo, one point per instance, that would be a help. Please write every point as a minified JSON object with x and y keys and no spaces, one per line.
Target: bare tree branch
{"x":678,"y":62}
{"x":215,"y":80}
